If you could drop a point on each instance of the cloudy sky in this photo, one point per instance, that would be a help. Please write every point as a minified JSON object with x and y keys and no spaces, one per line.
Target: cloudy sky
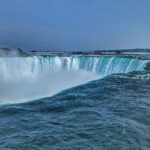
{"x":74,"y":24}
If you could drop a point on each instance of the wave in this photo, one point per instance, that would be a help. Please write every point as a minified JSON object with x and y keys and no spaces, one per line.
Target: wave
{"x":29,"y":78}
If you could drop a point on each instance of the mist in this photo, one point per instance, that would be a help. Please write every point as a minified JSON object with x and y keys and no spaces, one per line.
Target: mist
{"x":18,"y":89}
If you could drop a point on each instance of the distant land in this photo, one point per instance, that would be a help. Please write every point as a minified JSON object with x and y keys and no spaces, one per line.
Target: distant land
{"x":21,"y":52}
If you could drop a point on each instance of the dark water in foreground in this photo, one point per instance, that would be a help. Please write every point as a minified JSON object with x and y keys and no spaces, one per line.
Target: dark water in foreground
{"x":108,"y":114}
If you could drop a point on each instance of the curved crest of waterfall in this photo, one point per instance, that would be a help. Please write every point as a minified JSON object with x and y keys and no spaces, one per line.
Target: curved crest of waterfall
{"x":14,"y":67}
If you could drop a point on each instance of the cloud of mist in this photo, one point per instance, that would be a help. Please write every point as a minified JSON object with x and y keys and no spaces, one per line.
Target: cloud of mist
{"x":23,"y":88}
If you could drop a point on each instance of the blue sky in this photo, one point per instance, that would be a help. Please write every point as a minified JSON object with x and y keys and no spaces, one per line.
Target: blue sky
{"x":75,"y":24}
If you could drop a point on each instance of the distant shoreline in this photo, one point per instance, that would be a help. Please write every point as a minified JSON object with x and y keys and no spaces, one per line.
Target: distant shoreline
{"x":20,"y":52}
{"x":94,"y":52}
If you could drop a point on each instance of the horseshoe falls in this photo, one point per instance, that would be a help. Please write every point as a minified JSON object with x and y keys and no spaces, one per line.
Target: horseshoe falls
{"x":30,"y":78}
{"x":92,"y":102}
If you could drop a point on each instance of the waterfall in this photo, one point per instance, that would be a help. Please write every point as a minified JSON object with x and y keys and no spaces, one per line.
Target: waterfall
{"x":14,"y":67}
{"x":28,"y":78}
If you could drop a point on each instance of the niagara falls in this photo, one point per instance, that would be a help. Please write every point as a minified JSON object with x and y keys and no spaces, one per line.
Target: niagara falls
{"x":74,"y":75}
{"x":54,"y":73}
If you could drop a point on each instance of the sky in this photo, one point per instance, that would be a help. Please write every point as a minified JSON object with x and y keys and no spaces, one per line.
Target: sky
{"x":74,"y":24}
